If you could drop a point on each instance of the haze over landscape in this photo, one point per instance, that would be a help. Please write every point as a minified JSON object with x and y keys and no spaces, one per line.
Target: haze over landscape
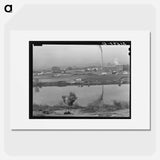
{"x":47,"y":56}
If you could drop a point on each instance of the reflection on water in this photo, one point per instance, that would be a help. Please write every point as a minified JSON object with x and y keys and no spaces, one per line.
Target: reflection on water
{"x":52,"y":95}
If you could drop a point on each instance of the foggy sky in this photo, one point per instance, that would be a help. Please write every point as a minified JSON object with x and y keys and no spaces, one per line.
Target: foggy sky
{"x":46,"y":56}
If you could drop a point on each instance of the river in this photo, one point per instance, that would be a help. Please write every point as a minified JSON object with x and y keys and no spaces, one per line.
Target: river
{"x":53,"y":95}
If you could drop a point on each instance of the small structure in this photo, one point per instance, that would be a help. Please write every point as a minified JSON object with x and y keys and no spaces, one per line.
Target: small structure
{"x":104,"y":73}
{"x":40,"y":73}
{"x":116,"y":68}
{"x":126,"y":67}
{"x":56,"y":70}
{"x":91,"y":69}
{"x":125,"y":72}
{"x":78,"y":80}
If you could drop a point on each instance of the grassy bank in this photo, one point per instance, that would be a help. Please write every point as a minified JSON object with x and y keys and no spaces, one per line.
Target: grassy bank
{"x":96,"y":108}
{"x":88,"y":80}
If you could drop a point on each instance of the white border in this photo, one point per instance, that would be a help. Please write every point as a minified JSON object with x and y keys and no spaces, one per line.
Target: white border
{"x":19,"y":85}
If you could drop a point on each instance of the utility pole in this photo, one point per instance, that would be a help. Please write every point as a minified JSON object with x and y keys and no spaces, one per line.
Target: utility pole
{"x":101,"y":50}
{"x":102,"y":66}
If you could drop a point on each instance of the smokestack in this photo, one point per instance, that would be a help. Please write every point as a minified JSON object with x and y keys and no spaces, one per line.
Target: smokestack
{"x":116,"y":62}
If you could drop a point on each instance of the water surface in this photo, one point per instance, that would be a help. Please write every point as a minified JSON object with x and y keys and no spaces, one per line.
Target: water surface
{"x":52,"y":95}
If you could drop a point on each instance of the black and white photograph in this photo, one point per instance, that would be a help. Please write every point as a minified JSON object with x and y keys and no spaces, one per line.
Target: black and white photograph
{"x":80,"y":79}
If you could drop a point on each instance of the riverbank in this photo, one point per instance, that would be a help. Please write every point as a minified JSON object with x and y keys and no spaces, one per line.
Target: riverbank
{"x":62,"y":84}
{"x":97,"y":108}
{"x":82,"y":80}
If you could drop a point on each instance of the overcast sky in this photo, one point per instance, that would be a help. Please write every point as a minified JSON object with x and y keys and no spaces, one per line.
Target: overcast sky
{"x":47,"y":56}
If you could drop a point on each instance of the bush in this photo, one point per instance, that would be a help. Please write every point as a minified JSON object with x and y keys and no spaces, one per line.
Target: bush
{"x":120,"y":104}
{"x":69,"y":100}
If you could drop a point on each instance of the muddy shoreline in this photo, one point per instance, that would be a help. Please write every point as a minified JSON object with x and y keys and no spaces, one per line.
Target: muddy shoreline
{"x":63,"y":84}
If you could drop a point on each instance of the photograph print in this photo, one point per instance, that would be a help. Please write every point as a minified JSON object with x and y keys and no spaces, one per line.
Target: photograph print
{"x":80,"y":79}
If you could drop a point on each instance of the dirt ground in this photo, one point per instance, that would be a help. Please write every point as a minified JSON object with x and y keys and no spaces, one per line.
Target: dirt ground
{"x":81,"y":113}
